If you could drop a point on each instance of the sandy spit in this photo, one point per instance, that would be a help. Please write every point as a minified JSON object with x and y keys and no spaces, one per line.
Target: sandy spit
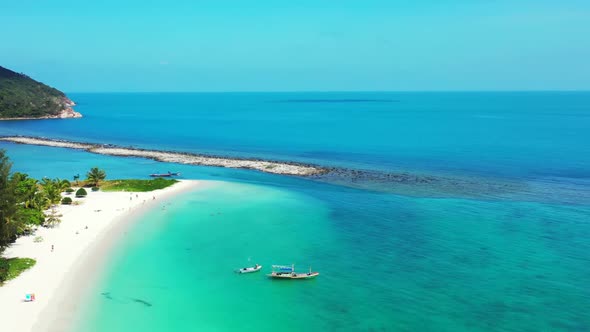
{"x":63,"y":274}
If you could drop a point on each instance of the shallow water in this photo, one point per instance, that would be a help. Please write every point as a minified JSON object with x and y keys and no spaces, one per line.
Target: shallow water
{"x":387,"y":263}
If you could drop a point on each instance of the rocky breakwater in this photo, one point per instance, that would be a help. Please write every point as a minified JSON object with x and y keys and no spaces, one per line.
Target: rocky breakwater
{"x":404,"y":183}
{"x":206,"y":160}
{"x":267,"y":166}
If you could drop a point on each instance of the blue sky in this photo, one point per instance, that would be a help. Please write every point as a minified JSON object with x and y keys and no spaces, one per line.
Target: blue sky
{"x":304,"y":45}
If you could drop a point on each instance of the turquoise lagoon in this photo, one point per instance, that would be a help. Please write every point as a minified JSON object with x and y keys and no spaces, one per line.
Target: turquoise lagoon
{"x":388,"y":262}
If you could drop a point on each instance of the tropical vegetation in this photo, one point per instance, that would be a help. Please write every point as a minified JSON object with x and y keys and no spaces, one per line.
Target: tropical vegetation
{"x":23,"y":97}
{"x":81,"y":193}
{"x":137,"y":185}
{"x":10,"y":268}
{"x":24,"y":202}
{"x":95,"y":175}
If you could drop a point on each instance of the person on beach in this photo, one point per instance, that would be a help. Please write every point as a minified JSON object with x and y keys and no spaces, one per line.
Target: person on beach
{"x":52,"y":248}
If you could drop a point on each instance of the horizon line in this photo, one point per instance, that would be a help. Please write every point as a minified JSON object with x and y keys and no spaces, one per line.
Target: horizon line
{"x":337,"y":91}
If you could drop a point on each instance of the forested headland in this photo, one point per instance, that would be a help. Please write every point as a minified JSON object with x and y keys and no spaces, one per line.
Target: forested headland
{"x":21,"y":97}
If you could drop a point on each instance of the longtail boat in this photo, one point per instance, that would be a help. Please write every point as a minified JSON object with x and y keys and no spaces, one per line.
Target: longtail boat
{"x":164,"y":175}
{"x":288,"y":272}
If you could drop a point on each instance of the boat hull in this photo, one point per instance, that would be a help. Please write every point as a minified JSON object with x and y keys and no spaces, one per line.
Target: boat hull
{"x":164,"y":175}
{"x":293,"y":275}
{"x":249,"y":269}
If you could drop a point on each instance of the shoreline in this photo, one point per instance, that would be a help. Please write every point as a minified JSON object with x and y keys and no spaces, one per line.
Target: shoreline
{"x":42,"y":118}
{"x":61,"y":116}
{"x":67,"y":113}
{"x":65,"y":274}
{"x":267,"y":166}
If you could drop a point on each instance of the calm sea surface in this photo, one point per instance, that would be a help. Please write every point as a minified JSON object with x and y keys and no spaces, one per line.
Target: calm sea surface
{"x":515,"y":261}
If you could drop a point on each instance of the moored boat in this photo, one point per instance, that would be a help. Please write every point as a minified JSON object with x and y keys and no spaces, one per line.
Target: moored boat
{"x":288,"y":272}
{"x":164,"y":175}
{"x":254,"y":268}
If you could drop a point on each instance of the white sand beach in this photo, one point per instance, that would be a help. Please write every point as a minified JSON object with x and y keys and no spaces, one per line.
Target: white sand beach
{"x":83,"y":238}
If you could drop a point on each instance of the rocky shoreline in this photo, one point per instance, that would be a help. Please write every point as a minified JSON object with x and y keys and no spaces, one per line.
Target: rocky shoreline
{"x":66,"y":113}
{"x":274,"y":167}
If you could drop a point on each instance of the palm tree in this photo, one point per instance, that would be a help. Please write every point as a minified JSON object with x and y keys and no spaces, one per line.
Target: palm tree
{"x":25,"y":188}
{"x":52,"y":217}
{"x":51,"y":190}
{"x":30,"y":190}
{"x":62,"y":185}
{"x":45,"y":181}
{"x":40,"y":201}
{"x":95,"y":175}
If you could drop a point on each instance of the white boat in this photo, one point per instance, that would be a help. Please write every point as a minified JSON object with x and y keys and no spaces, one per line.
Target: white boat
{"x":254,"y":268}
{"x":288,"y":272}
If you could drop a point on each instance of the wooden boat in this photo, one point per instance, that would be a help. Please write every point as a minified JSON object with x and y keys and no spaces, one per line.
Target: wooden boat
{"x":254,"y":268}
{"x":288,"y":272}
{"x":164,"y":175}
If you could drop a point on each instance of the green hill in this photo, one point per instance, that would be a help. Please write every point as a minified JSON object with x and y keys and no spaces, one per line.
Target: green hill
{"x":23,"y":97}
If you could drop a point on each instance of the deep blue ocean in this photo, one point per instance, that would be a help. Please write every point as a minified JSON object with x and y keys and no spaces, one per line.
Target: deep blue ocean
{"x":497,"y":134}
{"x":499,"y":242}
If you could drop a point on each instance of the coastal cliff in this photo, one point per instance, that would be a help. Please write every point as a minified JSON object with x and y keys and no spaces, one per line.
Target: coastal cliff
{"x":21,"y":97}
